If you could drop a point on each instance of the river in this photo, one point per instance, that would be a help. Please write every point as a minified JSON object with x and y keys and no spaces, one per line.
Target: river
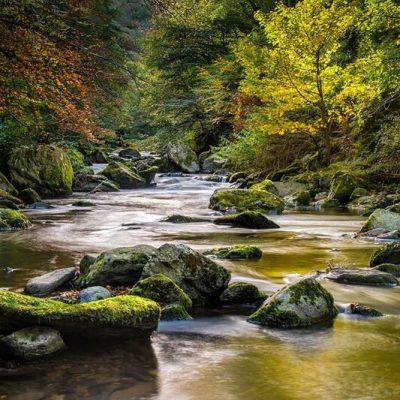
{"x":217,"y":355}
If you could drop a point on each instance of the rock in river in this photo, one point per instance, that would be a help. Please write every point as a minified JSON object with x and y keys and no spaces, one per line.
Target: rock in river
{"x":33,"y":342}
{"x":389,"y":268}
{"x":246,"y":199}
{"x":47,"y":283}
{"x":183,"y":157}
{"x":369,"y":277}
{"x":242,"y":293}
{"x":121,"y":316}
{"x":123,"y":176}
{"x":247,"y":219}
{"x":237,"y":252}
{"x":13,"y":219}
{"x":386,"y":254}
{"x":297,"y":305}
{"x":201,"y":278}
{"x":382,"y":219}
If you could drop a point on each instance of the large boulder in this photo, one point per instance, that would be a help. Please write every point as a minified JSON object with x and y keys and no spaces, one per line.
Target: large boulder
{"x":47,"y":283}
{"x":342,"y":186}
{"x":247,"y":219}
{"x":33,"y":342}
{"x":77,"y":159}
{"x":368,"y":277}
{"x":45,"y":168}
{"x":242,"y":293}
{"x":123,"y":176}
{"x":13,"y":220}
{"x":183,"y":158}
{"x":7,"y":200}
{"x":161,"y":289}
{"x":238,"y":252}
{"x":382,"y":219}
{"x":213,"y":163}
{"x":93,"y":183}
{"x":297,"y":305}
{"x":121,"y":316}
{"x":386,"y":254}
{"x":201,"y":278}
{"x":246,"y":199}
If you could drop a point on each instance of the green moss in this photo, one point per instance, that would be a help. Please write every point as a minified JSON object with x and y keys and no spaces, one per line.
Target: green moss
{"x":237,"y":252}
{"x":121,"y":311}
{"x":77,"y":159}
{"x":242,"y":293}
{"x":246,"y":199}
{"x":13,"y":219}
{"x":389,"y":268}
{"x":386,"y":254}
{"x":174,"y":312}
{"x":383,"y":219}
{"x":247,"y":219}
{"x":161,"y":289}
{"x":266,"y":185}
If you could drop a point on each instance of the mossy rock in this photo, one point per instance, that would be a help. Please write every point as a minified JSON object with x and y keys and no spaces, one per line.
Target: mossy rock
{"x":342,"y":186}
{"x":389,"y":268}
{"x":237,"y":252}
{"x":297,"y":305}
{"x":6,"y":185}
{"x":174,"y":312}
{"x":123,"y":176}
{"x":302,"y":198}
{"x":242,"y":293}
{"x":77,"y":159}
{"x":161,"y":289}
{"x":183,"y":157}
{"x":388,"y":254}
{"x":97,"y":156}
{"x":327,"y":203}
{"x":367,"y":277}
{"x":149,"y":174}
{"x":93,"y":183}
{"x":365,"y":311}
{"x":13,"y":220}
{"x":83,"y":203}
{"x":247,"y":219}
{"x":130,"y":152}
{"x":246,"y":199}
{"x":9,"y":197}
{"x":44,"y":168}
{"x":184,"y":219}
{"x":266,"y":185}
{"x":394,"y":208}
{"x":122,"y":316}
{"x":382,"y":219}
{"x":29,"y":196}
{"x":358,"y":192}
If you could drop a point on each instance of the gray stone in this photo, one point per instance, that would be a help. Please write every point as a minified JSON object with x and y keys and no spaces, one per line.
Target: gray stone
{"x":93,"y":293}
{"x":183,"y":157}
{"x":369,"y":277}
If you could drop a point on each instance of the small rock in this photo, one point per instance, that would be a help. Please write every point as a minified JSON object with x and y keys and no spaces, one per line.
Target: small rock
{"x":369,"y":277}
{"x":389,"y":254}
{"x":237,"y":252}
{"x":247,"y":219}
{"x":93,"y":293}
{"x":359,"y":309}
{"x":242,"y":293}
{"x":174,"y":312}
{"x":183,"y":219}
{"x":40,"y":206}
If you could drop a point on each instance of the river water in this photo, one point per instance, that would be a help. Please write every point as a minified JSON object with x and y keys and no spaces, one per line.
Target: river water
{"x":217,"y":355}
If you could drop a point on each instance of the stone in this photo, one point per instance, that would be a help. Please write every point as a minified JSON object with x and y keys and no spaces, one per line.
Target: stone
{"x":47,"y":283}
{"x":29,"y":196}
{"x":184,"y":219}
{"x":382,"y":219}
{"x":266,"y":185}
{"x":213,"y":163}
{"x":13,"y":220}
{"x":298,"y":305}
{"x":123,"y":176}
{"x":359,"y":309}
{"x":32,"y":343}
{"x":77,"y":159}
{"x":93,"y":183}
{"x":6,"y":185}
{"x":237,"y":175}
{"x":247,"y":219}
{"x":342,"y":186}
{"x":129,"y":152}
{"x":368,"y":277}
{"x":44,"y":168}
{"x":183,"y":157}
{"x":174,"y":312}
{"x":116,"y":317}
{"x":162,"y":290}
{"x":149,"y":174}
{"x":389,"y":268}
{"x":7,"y":197}
{"x":98,"y":156}
{"x":389,"y":253}
{"x":242,"y":293}
{"x":246,"y":200}
{"x":358,"y":192}
{"x":93,"y":293}
{"x":237,"y":252}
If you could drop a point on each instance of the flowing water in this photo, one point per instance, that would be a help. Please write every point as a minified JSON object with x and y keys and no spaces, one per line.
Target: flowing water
{"x":216,"y":355}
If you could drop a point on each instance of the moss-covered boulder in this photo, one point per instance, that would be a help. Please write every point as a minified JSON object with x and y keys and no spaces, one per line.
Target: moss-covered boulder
{"x":13,"y":220}
{"x":358,"y":192}
{"x":97,"y":156}
{"x":32,"y":342}
{"x":382,"y":219}
{"x":161,"y":289}
{"x":6,"y":185}
{"x":342,"y":186}
{"x":77,"y":159}
{"x":122,"y":316}
{"x":45,"y":168}
{"x":8,"y":198}
{"x":129,"y":152}
{"x":93,"y":183}
{"x":242,"y":293}
{"x":184,"y":219}
{"x":123,"y":176}
{"x":246,"y":199}
{"x":393,"y":269}
{"x":149,"y":174}
{"x":174,"y":312}
{"x":367,"y":277}
{"x":29,"y":196}
{"x":302,"y":198}
{"x":237,"y":252}
{"x":201,"y":278}
{"x":247,"y":219}
{"x":183,"y":157}
{"x":297,"y":305}
{"x":266,"y":185}
{"x":386,"y":254}
{"x":213,"y":163}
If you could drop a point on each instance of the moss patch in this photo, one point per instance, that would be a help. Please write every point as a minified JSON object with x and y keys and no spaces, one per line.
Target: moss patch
{"x":242,"y":293}
{"x":266,"y":185}
{"x":237,"y":252}
{"x":13,"y":219}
